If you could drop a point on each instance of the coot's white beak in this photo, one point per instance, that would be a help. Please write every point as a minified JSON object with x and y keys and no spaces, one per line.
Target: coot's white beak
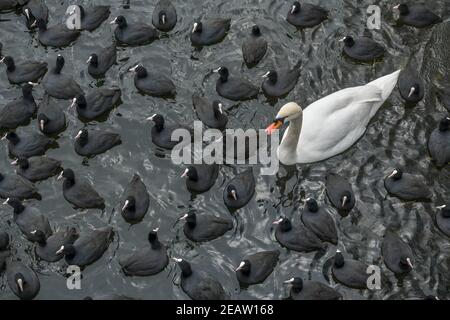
{"x":292,"y":9}
{"x":33,"y":232}
{"x":15,"y":162}
{"x":177,"y":259}
{"x":114,"y":21}
{"x":397,"y":6}
{"x":392,"y":174}
{"x":289,"y":281}
{"x":6,"y":201}
{"x":34,"y":24}
{"x":60,"y":250}
{"x":411,"y":92}
{"x":89,"y":60}
{"x":220,"y":106}
{"x":185,"y":173}
{"x":34,"y":84}
{"x":340,"y":40}
{"x":74,"y":101}
{"x":217,"y":70}
{"x":233,"y":194}
{"x":183,"y":217}
{"x":441,"y":207}
{"x":4,"y":137}
{"x":134,"y":68}
{"x":151,"y":118}
{"x":156,"y":229}
{"x":127,"y":202}
{"x":278,"y":221}
{"x":27,"y":13}
{"x":3,"y":59}
{"x":344,"y":201}
{"x":408,"y":260}
{"x":20,"y":284}
{"x":78,"y":134}
{"x":240,"y":266}
{"x":266,"y":74}
{"x":195,"y":27}
{"x":41,"y":125}
{"x":163,"y":18}
{"x":60,"y":176}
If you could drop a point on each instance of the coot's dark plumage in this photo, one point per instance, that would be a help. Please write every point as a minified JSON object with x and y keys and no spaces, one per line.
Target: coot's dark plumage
{"x":135,"y":200}
{"x":205,"y":33}
{"x":254,"y":48}
{"x":407,"y":186}
{"x":311,"y":290}
{"x":164,"y":16}
{"x":201,"y":177}
{"x":56,"y":36}
{"x":51,"y":119}
{"x":340,"y":193}
{"x":92,"y":17}
{"x":443,"y":219}
{"x":79,"y":192}
{"x":362,"y":49}
{"x":255,"y":268}
{"x":29,"y":219}
{"x":27,"y":145}
{"x":88,"y":248}
{"x":58,"y":85}
{"x":37,"y":168}
{"x":397,"y":254}
{"x":4,"y":249}
{"x":306,"y":15}
{"x":19,"y":111}
{"x":147,"y":261}
{"x":92,"y":142}
{"x":213,"y":115}
{"x":33,"y":10}
{"x":153,"y":83}
{"x":97,"y":103}
{"x":24,"y":71}
{"x":199,"y":285}
{"x":46,"y":247}
{"x":297,"y":238}
{"x":410,"y":85}
{"x":239,"y":190}
{"x":101,"y":61}
{"x":205,"y":227}
{"x":22,"y":280}
{"x":162,"y":132}
{"x":14,"y":186}
{"x":349,"y":272}
{"x":439,"y":143}
{"x":319,"y":221}
{"x":234,"y":88}
{"x":133,"y":34}
{"x":417,"y":15}
{"x":280,"y":83}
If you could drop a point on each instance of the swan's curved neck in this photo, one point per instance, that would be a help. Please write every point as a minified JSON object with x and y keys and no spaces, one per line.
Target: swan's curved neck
{"x":288,"y":146}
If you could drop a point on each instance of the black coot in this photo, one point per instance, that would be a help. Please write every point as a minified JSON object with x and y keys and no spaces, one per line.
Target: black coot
{"x":397,"y":254}
{"x":92,"y":142}
{"x":255,"y":268}
{"x":311,"y":290}
{"x":164,"y":16}
{"x":410,"y":85}
{"x":33,"y":10}
{"x":239,"y":190}
{"x":349,"y":272}
{"x":147,"y":261}
{"x":439,"y":143}
{"x":22,"y":280}
{"x":199,"y":285}
{"x":4,"y":249}
{"x":280,"y":83}
{"x":56,"y":36}
{"x":14,"y":186}
{"x":29,"y":219}
{"x":201,"y":177}
{"x":340,"y":193}
{"x":298,"y":238}
{"x":443,"y":219}
{"x":407,"y":186}
{"x":153,"y":83}
{"x":234,"y":88}
{"x":135,"y":200}
{"x":58,"y":85}
{"x":37,"y":168}
{"x":254,"y":48}
{"x":27,"y":145}
{"x":205,"y":227}
{"x":79,"y":192}
{"x":101,"y":61}
{"x":362,"y":49}
{"x":162,"y":132}
{"x":19,"y":111}
{"x":213,"y":115}
{"x":51,"y":119}
{"x":134,"y":34}
{"x":24,"y":71}
{"x":47,"y":247}
{"x":92,"y":17}
{"x":306,"y":15}
{"x":319,"y":221}
{"x":417,"y":15}
{"x":88,"y":248}
{"x":209,"y":32}
{"x":97,"y":103}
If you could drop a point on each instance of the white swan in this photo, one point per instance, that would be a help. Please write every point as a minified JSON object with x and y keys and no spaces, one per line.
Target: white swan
{"x":332,"y":124}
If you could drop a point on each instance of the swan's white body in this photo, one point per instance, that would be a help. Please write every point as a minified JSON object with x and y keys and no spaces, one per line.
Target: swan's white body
{"x":334,"y":123}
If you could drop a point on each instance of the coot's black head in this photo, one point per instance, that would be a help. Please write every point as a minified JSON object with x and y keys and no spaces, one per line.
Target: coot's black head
{"x":41,"y":24}
{"x":12,"y":137}
{"x":23,"y":163}
{"x":198,"y":27}
{"x":444,"y":125}
{"x":223,"y":73}
{"x":120,"y":21}
{"x":217,"y":109}
{"x":153,"y":238}
{"x":19,"y":279}
{"x":339,"y":259}
{"x":185,"y":267}
{"x":40,"y":237}
{"x":190,"y":218}
{"x":140,"y":71}
{"x":162,"y":17}
{"x":68,"y":250}
{"x":80,"y":100}
{"x":158,"y":121}
{"x":42,"y":120}
{"x":82,"y":136}
{"x":284,"y":224}
{"x":346,"y":200}
{"x":59,"y":63}
{"x":130,"y":204}
{"x":68,"y":174}
{"x":191,"y":173}
{"x":295,"y":7}
{"x":396,"y":174}
{"x":445,"y":209}
{"x":272,"y":75}
{"x":93,"y":60}
{"x":4,"y":241}
{"x":29,"y":16}
{"x":15,"y":204}
{"x":9,"y":62}
{"x":349,"y":41}
{"x":312,"y":205}
{"x":27,"y":91}
{"x":256,"y":31}
{"x":403,"y":9}
{"x":244,"y":267}
{"x":232,"y":192}
{"x":405,"y":263}
{"x":297,"y":284}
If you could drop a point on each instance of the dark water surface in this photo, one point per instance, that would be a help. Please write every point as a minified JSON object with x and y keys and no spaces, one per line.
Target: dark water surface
{"x":396,"y":136}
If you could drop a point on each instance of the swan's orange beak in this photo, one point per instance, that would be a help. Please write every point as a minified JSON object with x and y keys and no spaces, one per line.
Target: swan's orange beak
{"x":274,"y":126}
